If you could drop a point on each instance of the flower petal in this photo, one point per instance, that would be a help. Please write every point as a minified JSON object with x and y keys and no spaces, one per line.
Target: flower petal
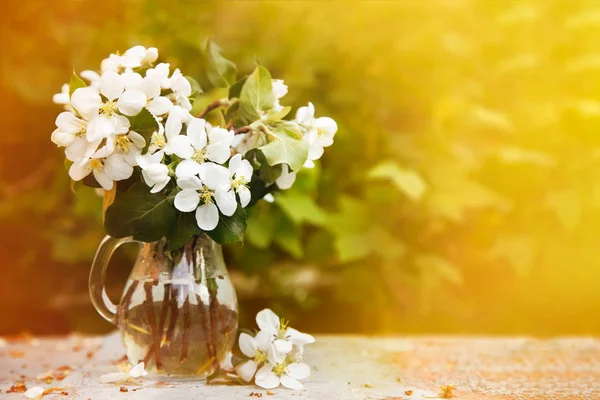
{"x":244,"y":194}
{"x":283,"y":346}
{"x":220,"y":135}
{"x":248,"y":345}
{"x":207,"y":216}
{"x":111,"y":85}
{"x":187,"y":200}
{"x":150,"y":87}
{"x":160,"y":185}
{"x":86,"y":101}
{"x":305,"y":115}
{"x":226,"y":202}
{"x":187,"y":168}
{"x":298,"y":370}
{"x":144,"y":161}
{"x":137,"y":139}
{"x":268,"y":321}
{"x":298,"y":337}
{"x":234,"y":163}
{"x":101,"y":127}
{"x":218,"y":152}
{"x":131,"y":102}
{"x":173,"y":125}
{"x":160,"y":105}
{"x":266,"y":378}
{"x":291,"y":383}
{"x":216,"y":177}
{"x":327,"y":126}
{"x":158,"y":172}
{"x":179,"y":145}
{"x":191,"y":182}
{"x":138,"y":371}
{"x":246,"y":370}
{"x":62,"y":139}
{"x":132,"y":80}
{"x":196,"y":131}
{"x":103,"y":179}
{"x":117,"y":168}
{"x":263,"y":339}
{"x":79,"y":170}
{"x":34,"y":392}
{"x":66,"y":121}
{"x":286,"y":179}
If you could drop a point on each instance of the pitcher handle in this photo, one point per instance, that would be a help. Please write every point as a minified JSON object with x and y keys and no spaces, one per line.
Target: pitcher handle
{"x":100,"y":300}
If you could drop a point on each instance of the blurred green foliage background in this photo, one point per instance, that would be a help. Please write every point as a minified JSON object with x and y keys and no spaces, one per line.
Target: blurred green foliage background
{"x":461,"y":195}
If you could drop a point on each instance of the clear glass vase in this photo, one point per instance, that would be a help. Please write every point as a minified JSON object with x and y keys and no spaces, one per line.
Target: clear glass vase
{"x":178,"y":314}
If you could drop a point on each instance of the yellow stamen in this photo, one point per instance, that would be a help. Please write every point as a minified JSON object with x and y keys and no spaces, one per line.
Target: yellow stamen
{"x":96,"y":163}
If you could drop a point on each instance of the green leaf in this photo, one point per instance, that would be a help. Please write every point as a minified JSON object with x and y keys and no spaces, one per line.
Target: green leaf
{"x":289,"y":237}
{"x":230,"y":229}
{"x":300,"y":207}
{"x":409,"y":182}
{"x":352,"y":247}
{"x":219,"y":70}
{"x":145,"y":216}
{"x":256,"y":95}
{"x":194,"y":84}
{"x":145,"y":124}
{"x":236,"y":89}
{"x":279,"y":115}
{"x":432,"y":265}
{"x":266,"y":172}
{"x":75,"y":83}
{"x":261,"y":225}
{"x":183,"y":229}
{"x":285,"y":149}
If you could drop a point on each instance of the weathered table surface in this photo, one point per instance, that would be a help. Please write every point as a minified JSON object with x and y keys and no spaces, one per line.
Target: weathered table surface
{"x":343,"y":368}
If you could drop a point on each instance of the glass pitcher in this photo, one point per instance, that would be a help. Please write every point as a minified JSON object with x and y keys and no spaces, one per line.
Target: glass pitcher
{"x":178,"y":314}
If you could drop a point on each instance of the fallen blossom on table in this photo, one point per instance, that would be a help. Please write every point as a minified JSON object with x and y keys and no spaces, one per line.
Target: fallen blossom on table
{"x":126,"y":375}
{"x":39,"y":392}
{"x":274,"y":354}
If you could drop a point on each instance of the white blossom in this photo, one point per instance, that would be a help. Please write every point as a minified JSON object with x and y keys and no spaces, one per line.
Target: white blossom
{"x":182,"y":89}
{"x":319,"y":132}
{"x":201,"y":194}
{"x":280,"y":89}
{"x":202,"y":143}
{"x":132,"y":58}
{"x":127,"y":374}
{"x":105,"y":170}
{"x":259,"y":349}
{"x":286,"y":179}
{"x":34,"y":393}
{"x":155,"y":173}
{"x":271,"y":375}
{"x":285,"y":337}
{"x":63,"y":97}
{"x":241,"y":174}
{"x":102,"y":114}
{"x":160,"y":73}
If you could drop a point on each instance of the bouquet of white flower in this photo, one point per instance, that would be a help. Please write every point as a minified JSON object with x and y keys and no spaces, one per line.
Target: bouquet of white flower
{"x":130,"y":129}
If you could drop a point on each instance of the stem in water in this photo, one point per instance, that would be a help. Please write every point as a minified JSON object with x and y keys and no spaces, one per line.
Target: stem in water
{"x":149,"y":303}
{"x":174,"y":315}
{"x":126,"y":302}
{"x":187,"y":323}
{"x":213,"y":310}
{"x":164,"y":312}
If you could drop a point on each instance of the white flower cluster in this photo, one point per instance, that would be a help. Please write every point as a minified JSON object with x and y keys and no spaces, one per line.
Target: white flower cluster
{"x":275,"y":354}
{"x":95,"y":129}
{"x":98,"y":131}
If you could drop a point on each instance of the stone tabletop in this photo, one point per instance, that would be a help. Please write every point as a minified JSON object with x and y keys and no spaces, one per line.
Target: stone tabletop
{"x":344,"y":367}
